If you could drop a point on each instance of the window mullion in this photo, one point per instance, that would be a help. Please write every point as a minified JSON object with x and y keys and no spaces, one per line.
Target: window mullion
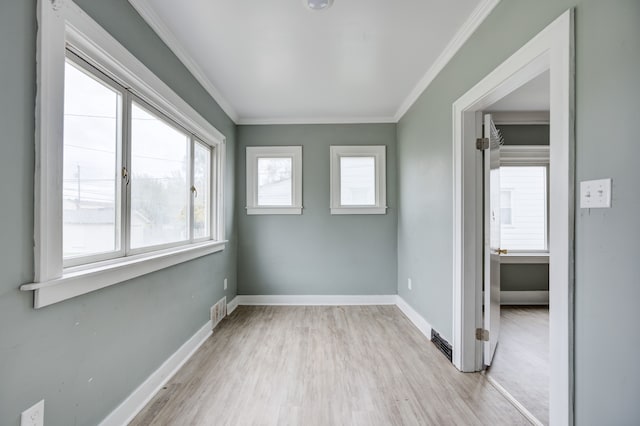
{"x":191,"y":190}
{"x":120,"y":163}
{"x":213,"y":203}
{"x":126,"y":181}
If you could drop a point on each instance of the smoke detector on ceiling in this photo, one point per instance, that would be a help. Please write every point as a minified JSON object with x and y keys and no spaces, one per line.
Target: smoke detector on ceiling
{"x":318,"y":4}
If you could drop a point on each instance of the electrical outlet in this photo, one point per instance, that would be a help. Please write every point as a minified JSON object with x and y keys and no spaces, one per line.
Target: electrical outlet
{"x":409,"y":284}
{"x":33,"y":416}
{"x":225,"y":283}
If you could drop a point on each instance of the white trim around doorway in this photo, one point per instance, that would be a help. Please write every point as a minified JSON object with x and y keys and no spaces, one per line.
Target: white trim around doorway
{"x":551,"y":50}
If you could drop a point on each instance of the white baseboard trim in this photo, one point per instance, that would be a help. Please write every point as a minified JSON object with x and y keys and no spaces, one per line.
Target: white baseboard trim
{"x":417,"y":319}
{"x":524,"y":297}
{"x":316,"y":300}
{"x":232,"y":305}
{"x":135,"y":402}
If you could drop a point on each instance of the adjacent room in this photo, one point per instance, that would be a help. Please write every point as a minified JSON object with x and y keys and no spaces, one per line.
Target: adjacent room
{"x":319,"y":212}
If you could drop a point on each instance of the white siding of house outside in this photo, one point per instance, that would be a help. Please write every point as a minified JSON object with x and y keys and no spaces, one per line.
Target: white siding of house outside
{"x":275,"y":187}
{"x":528,"y":188}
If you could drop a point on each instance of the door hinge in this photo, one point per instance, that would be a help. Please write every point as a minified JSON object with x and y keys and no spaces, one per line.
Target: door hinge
{"x":482,"y":144}
{"x":482,"y":334}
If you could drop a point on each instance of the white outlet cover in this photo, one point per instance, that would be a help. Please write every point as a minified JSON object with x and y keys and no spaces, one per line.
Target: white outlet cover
{"x":33,"y":416}
{"x":595,"y":194}
{"x":409,"y":283}
{"x":225,"y":283}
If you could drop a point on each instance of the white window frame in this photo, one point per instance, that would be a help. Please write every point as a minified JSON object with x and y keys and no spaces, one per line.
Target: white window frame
{"x":528,"y":156}
{"x":256,"y":152}
{"x":378,"y":152}
{"x":61,"y":25}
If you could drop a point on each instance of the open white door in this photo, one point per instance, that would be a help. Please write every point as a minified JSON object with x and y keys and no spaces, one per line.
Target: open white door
{"x":492,"y":249}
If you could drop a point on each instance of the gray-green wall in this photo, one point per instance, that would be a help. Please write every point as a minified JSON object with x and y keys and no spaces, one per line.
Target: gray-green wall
{"x":316,"y":252}
{"x":525,"y":134}
{"x":607,"y":288}
{"x":524,"y":277}
{"x":85,"y":355}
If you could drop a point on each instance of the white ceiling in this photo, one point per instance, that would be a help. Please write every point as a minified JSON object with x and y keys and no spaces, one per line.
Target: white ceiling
{"x":276,"y":61}
{"x":533,"y":96}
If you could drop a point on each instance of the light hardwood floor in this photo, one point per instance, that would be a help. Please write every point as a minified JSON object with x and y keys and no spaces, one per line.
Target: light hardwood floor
{"x":324,"y":365}
{"x":521,"y":362}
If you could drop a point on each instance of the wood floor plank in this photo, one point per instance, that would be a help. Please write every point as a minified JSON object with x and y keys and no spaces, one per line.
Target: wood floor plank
{"x":323,"y":365}
{"x":521,"y":362}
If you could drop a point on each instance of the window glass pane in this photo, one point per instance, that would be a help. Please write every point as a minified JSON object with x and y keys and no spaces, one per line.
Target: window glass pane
{"x":357,"y":181}
{"x":159,"y":189}
{"x":527,"y":187}
{"x":202,"y":196}
{"x":505,"y":207}
{"x":274,"y":181}
{"x":90,"y":203}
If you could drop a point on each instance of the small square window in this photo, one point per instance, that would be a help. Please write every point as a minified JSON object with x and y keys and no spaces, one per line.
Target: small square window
{"x":274,"y":180}
{"x":275,"y":187}
{"x":358,"y":180}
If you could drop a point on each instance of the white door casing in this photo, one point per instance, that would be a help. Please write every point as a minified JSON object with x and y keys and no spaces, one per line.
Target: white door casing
{"x":552,"y":49}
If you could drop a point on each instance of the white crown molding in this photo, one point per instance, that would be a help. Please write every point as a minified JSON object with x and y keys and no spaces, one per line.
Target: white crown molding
{"x":147,"y":13}
{"x":462,"y":35}
{"x":138,"y":399}
{"x":316,"y":120}
{"x":479,"y":14}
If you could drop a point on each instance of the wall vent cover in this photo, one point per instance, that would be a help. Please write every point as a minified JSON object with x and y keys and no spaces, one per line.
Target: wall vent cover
{"x":442,"y":345}
{"x":218,"y":312}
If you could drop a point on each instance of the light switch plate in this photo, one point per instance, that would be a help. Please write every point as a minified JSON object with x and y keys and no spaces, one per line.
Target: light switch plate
{"x":595,"y":194}
{"x":33,"y":416}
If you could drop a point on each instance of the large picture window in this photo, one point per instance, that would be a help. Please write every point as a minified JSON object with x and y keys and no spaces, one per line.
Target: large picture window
{"x":148,"y":170}
{"x":129,"y":177}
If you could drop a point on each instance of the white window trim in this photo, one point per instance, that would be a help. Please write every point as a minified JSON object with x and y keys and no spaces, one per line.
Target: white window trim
{"x":532,"y":156}
{"x":524,"y":155}
{"x":376,"y":151}
{"x":62,"y":22}
{"x":256,"y":152}
{"x":522,"y":258}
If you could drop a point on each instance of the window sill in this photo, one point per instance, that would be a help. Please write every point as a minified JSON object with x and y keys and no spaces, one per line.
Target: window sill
{"x":358,"y":210}
{"x":77,"y":281}
{"x":273,"y":210}
{"x":524,"y":258}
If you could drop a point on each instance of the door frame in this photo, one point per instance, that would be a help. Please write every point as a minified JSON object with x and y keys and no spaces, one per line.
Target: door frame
{"x":551,"y":50}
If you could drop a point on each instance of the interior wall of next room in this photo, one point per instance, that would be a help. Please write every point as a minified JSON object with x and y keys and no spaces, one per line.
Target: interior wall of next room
{"x":317,"y":252}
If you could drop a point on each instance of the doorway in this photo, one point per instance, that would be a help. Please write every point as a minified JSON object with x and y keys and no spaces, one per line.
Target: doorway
{"x":551,"y":50}
{"x":519,"y":367}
